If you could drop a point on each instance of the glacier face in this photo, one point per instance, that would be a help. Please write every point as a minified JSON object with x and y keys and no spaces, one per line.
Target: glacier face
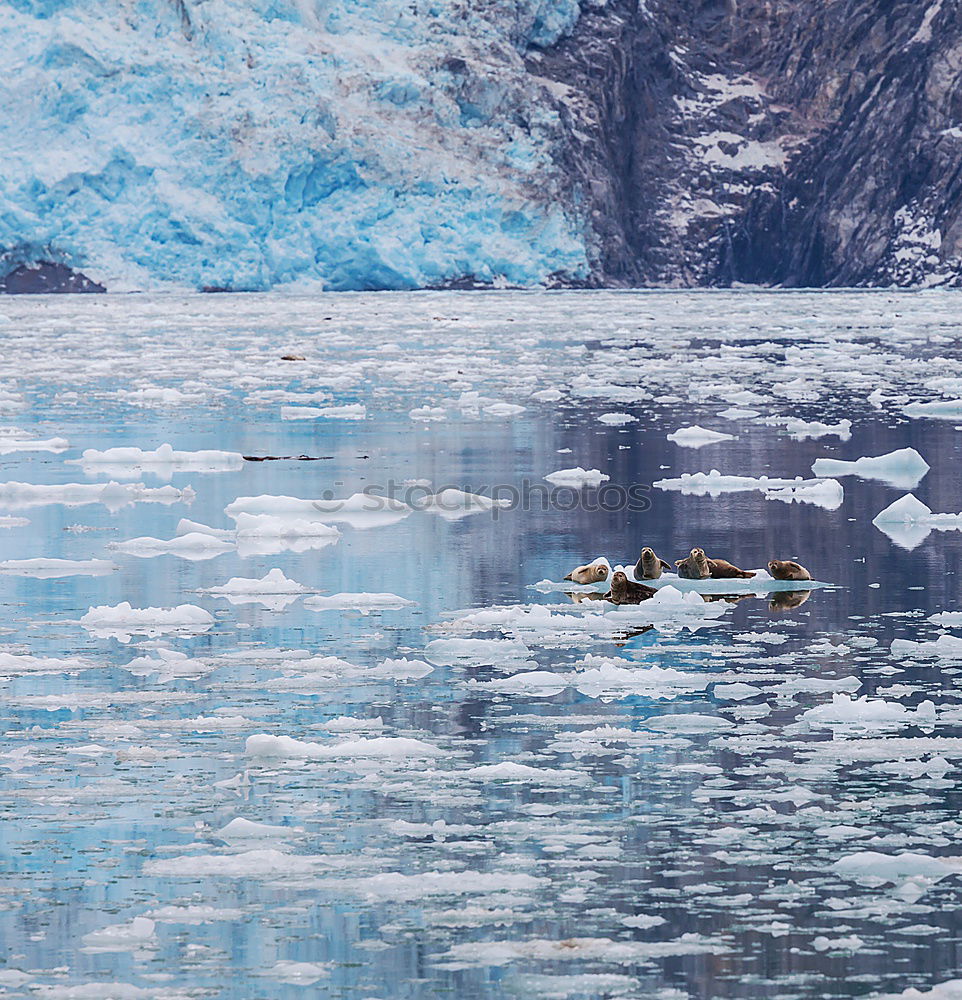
{"x":247,"y":144}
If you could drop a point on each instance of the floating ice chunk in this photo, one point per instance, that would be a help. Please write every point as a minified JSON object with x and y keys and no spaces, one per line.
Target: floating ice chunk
{"x":195,"y":546}
{"x":698,"y":437}
{"x":738,"y":413}
{"x":357,"y":602}
{"x":827,"y":493}
{"x":524,"y":773}
{"x":122,"y":621}
{"x":946,"y":647}
{"x":735,"y":692}
{"x":139,"y":933}
{"x":643,"y":921}
{"x":349,"y":411}
{"x":262,"y":534}
{"x":260,"y":863}
{"x":14,"y":440}
{"x":942,"y":409}
{"x":504,"y":409}
{"x":45,"y":569}
{"x":577,"y":949}
{"x":162,"y":462}
{"x":363,"y":510}
{"x":611,"y":678}
{"x":274,"y":590}
{"x":428,"y":413}
{"x":114,"y":496}
{"x":168,"y":664}
{"x":851,"y":943}
{"x":9,"y":521}
{"x":187,"y":527}
{"x":18,"y":664}
{"x":714,"y":483}
{"x":477,"y":651}
{"x":908,"y":522}
{"x":395,"y":748}
{"x":951,"y":989}
{"x":689,"y":723}
{"x":861,"y":713}
{"x":452,"y":504}
{"x":577,"y":478}
{"x":947,"y":619}
{"x":547,"y":395}
{"x":195,"y":915}
{"x":803,"y":430}
{"x":401,"y":669}
{"x":535,"y":683}
{"x":15,"y":978}
{"x":245,"y":829}
{"x":346,"y":724}
{"x":617,"y":419}
{"x":904,"y":468}
{"x":400,"y":887}
{"x":298,"y":973}
{"x":872,"y":867}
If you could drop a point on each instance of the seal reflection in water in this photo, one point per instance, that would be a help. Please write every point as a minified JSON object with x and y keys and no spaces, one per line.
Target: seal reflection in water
{"x":785,"y":600}
{"x":695,"y":567}
{"x":785,"y":569}
{"x":623,"y":591}
{"x":593,"y":573}
{"x":649,"y":566}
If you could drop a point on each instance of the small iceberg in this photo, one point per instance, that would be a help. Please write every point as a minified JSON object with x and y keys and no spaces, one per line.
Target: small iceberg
{"x":908,"y":521}
{"x":904,"y":468}
{"x":577,"y":478}
{"x":697,"y":437}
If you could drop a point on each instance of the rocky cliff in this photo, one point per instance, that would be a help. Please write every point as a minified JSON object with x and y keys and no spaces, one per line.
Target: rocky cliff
{"x":352,"y":144}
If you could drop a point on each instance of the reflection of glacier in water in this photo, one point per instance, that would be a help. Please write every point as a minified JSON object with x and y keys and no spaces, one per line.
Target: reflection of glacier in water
{"x":262,"y":733}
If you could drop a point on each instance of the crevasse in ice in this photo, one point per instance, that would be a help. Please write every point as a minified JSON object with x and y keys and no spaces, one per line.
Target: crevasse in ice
{"x":246,"y":145}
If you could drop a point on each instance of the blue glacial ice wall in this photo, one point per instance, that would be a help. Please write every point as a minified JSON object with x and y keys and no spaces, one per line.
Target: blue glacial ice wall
{"x":248,"y":144}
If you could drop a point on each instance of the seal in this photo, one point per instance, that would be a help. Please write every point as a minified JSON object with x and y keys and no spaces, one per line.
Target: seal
{"x":623,"y":591}
{"x":649,"y":566}
{"x":785,"y":569}
{"x":695,"y":567}
{"x":722,"y":569}
{"x":592,"y":573}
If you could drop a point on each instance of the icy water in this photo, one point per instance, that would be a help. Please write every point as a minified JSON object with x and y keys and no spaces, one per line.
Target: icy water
{"x":487,"y":789}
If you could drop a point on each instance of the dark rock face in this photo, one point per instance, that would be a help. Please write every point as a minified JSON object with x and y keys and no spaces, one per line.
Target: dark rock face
{"x":767,"y":141}
{"x":30,"y":279}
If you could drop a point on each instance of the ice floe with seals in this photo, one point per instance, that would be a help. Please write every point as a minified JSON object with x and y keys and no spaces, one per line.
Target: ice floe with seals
{"x":698,"y":437}
{"x":904,"y":468}
{"x":113,"y":495}
{"x":46,"y":569}
{"x":162,"y":462}
{"x":761,"y":583}
{"x":908,"y":521}
{"x":122,"y":621}
{"x":827,"y":493}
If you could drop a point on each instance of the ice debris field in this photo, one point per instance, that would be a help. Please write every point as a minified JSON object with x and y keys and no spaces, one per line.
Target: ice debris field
{"x":295,"y":700}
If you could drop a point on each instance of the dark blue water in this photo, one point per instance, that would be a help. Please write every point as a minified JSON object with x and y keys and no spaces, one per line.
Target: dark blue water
{"x":401,"y":875}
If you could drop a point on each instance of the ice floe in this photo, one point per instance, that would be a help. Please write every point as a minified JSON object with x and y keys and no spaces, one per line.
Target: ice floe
{"x":194,"y":545}
{"x":452,"y":504}
{"x":863,"y":713}
{"x":904,"y":468}
{"x":803,"y":430}
{"x":698,"y":437}
{"x":823,"y":492}
{"x":162,"y":462}
{"x":114,"y":496}
{"x":908,"y":521}
{"x":577,"y":478}
{"x":357,"y":602}
{"x":273,"y":590}
{"x":122,"y":621}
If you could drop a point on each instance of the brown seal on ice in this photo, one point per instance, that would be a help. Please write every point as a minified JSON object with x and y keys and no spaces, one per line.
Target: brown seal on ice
{"x":722,"y":569}
{"x":649,"y":566}
{"x":593,"y":573}
{"x":785,"y":569}
{"x":695,"y":567}
{"x":623,"y":591}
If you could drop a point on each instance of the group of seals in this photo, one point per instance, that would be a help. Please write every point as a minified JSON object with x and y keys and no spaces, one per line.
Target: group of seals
{"x":696,"y":566}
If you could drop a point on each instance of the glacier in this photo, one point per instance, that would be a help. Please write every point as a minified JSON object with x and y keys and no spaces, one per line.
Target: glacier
{"x":322,"y":144}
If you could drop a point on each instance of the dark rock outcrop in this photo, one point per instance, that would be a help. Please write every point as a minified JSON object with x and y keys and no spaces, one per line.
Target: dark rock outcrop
{"x":31,"y":279}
